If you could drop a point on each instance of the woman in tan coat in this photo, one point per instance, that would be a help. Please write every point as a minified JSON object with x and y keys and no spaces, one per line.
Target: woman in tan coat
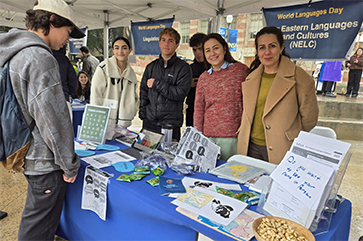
{"x":278,"y":101}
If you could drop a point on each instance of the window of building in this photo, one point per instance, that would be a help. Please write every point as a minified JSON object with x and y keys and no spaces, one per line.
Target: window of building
{"x":203,"y":26}
{"x":185,"y":32}
{"x":256,"y":24}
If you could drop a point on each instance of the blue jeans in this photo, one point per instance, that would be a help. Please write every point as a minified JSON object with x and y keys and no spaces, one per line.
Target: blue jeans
{"x":43,"y":206}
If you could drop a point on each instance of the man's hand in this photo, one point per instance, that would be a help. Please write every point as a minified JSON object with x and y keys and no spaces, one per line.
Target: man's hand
{"x":194,"y":82}
{"x":348,"y":64}
{"x":150,"y":82}
{"x":70,"y":179}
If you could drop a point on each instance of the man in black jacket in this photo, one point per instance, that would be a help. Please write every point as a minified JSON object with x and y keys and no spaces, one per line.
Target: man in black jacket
{"x":165,"y":83}
{"x":198,"y":67}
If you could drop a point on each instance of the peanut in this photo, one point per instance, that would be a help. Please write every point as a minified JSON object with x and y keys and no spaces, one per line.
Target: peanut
{"x":279,"y":230}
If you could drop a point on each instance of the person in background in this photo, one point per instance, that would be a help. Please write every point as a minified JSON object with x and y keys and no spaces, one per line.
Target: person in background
{"x":50,"y":162}
{"x":79,"y":64}
{"x":218,"y":100}
{"x":278,"y":100}
{"x":355,"y":65}
{"x":68,"y":75}
{"x":165,"y":84}
{"x":84,"y":87}
{"x":198,"y":67}
{"x":90,"y":62}
{"x":114,"y":85}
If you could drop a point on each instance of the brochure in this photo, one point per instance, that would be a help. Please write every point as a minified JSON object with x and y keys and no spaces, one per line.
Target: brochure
{"x":170,"y":185}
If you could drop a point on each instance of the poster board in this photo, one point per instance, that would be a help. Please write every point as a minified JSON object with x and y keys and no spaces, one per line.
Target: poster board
{"x":94,"y":124}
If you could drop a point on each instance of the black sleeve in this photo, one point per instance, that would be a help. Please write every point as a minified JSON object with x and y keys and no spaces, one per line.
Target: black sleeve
{"x":144,"y":90}
{"x":178,"y":91}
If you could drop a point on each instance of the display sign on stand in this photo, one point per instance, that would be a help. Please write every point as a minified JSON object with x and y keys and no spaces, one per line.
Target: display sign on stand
{"x":94,"y":124}
{"x":301,"y":191}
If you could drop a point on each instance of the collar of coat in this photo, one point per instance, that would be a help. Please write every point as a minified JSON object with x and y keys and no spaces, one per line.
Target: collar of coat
{"x":113,"y":70}
{"x":284,"y":81}
{"x":286,"y":69}
{"x":170,"y":62}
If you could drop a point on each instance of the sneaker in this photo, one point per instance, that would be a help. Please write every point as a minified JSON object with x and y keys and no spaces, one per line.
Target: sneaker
{"x":347,"y":95}
{"x":354,"y":95}
{"x":323,"y":94}
{"x":329,"y":94}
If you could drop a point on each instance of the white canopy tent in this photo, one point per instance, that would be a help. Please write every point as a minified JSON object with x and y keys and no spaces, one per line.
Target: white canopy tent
{"x":95,"y":14}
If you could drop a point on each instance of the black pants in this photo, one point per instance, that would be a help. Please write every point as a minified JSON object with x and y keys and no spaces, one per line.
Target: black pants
{"x":43,"y":206}
{"x":189,"y":118}
{"x":354,"y":81}
{"x":257,"y":151}
{"x":328,"y":86}
{"x":146,"y":124}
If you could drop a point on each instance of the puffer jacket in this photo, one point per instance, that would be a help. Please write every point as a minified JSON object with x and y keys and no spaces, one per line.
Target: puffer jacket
{"x":163,"y":103}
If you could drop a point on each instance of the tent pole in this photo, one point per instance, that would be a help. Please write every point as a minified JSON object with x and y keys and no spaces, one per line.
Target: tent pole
{"x":105,"y":34}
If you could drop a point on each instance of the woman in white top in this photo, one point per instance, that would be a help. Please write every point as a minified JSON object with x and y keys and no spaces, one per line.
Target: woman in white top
{"x":114,"y":84}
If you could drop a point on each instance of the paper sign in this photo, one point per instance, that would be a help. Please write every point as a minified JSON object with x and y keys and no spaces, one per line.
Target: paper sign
{"x":303,"y":178}
{"x":94,"y":196}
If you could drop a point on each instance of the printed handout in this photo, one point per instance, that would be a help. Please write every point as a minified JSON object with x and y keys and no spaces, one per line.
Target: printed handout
{"x":217,"y":207}
{"x":190,"y":182}
{"x":94,"y":196}
{"x":321,"y":149}
{"x":196,"y":149}
{"x":107,"y":159}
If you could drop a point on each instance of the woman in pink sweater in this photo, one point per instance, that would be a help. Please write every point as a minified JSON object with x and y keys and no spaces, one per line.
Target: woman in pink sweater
{"x":218,"y":100}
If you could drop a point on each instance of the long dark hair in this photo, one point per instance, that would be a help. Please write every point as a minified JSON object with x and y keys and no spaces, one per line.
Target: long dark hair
{"x":268,"y":30}
{"x":227,"y":56}
{"x":81,"y":91}
{"x":356,"y":52}
{"x":123,"y":39}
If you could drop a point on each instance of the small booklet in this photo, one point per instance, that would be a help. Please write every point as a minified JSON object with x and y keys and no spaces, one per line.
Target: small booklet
{"x":170,"y":185}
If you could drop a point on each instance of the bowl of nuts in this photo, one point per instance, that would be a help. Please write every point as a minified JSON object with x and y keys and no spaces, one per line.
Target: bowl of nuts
{"x":275,"y":228}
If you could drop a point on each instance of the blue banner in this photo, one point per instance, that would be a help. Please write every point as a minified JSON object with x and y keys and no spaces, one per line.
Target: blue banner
{"x":232,"y":38}
{"x":146,"y":36}
{"x":76,"y":43}
{"x":323,"y":31}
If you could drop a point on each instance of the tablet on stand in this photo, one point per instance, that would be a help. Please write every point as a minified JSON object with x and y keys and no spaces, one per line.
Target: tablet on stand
{"x":94,"y":124}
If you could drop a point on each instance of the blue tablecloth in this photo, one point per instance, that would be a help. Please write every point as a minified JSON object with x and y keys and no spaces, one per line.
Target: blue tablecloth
{"x":136,"y":211}
{"x":77,"y":110}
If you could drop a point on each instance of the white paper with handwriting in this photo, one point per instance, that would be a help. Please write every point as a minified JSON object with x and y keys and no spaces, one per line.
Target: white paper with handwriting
{"x":298,"y":188}
{"x":303,"y":178}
